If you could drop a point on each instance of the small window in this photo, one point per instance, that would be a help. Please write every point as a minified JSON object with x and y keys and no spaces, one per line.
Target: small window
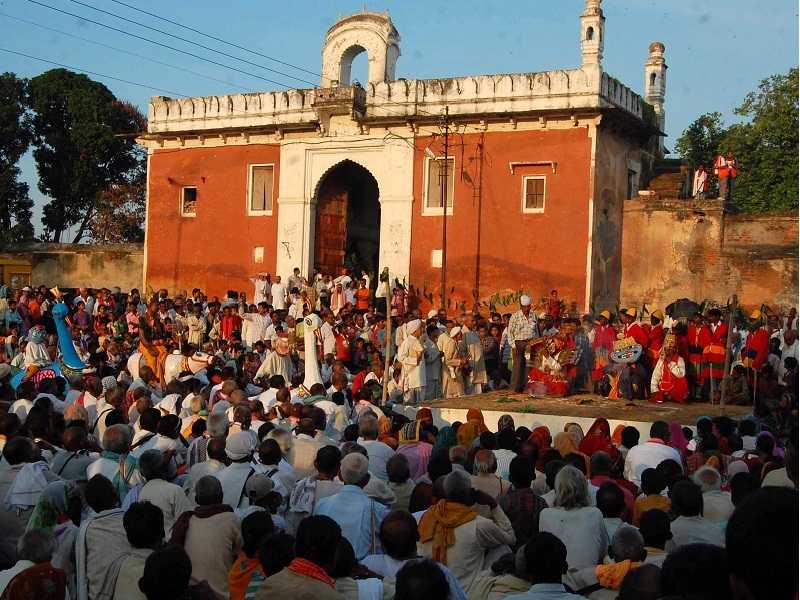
{"x":260,"y":186}
{"x":188,"y":201}
{"x":652,"y":78}
{"x":590,"y":34}
{"x":533,"y":194}
{"x":434,"y":178}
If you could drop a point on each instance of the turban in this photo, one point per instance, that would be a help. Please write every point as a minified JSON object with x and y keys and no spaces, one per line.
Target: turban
{"x":240,"y":445}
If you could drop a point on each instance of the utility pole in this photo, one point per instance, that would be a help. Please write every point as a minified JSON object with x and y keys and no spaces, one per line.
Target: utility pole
{"x":443,"y":187}
{"x":727,"y":373}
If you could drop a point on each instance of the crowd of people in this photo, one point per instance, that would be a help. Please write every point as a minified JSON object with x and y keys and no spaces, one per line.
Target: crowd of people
{"x":186,"y":458}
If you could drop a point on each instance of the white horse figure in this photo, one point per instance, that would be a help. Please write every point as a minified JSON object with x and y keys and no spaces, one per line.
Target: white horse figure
{"x":312,"y":335}
{"x":174,"y":364}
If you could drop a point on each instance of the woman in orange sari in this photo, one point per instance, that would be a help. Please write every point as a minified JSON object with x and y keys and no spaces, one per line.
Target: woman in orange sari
{"x":565,"y":444}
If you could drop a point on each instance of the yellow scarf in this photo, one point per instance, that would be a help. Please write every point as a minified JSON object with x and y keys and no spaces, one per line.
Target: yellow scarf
{"x":611,"y":576}
{"x":438,"y":523}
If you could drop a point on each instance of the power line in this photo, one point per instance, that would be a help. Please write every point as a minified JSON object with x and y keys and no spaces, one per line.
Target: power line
{"x":150,"y":87}
{"x":139,"y":37}
{"x":208,"y":35}
{"x":172,"y":35}
{"x":158,"y":62}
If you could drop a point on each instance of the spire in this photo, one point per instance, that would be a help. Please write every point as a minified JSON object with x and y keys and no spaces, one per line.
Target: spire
{"x":593,"y":25}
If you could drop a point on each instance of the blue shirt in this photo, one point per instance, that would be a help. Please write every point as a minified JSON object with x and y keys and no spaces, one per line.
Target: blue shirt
{"x":359,"y":517}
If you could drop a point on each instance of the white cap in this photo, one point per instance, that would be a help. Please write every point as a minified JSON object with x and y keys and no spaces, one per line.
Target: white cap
{"x":525,"y":300}
{"x":455,"y":331}
{"x":412,"y":326}
{"x":433,"y":313}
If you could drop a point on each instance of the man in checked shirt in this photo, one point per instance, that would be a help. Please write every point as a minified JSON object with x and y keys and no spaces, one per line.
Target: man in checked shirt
{"x":521,"y":330}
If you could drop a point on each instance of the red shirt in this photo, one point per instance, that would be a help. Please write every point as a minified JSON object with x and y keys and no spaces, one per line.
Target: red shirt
{"x":362,"y":299}
{"x":343,"y":347}
{"x":228,"y":325}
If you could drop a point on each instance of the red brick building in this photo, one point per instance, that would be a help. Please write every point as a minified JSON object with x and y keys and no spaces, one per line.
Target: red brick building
{"x":538,"y":166}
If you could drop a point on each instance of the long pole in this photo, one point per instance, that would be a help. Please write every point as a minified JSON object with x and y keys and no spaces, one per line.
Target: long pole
{"x":385,"y":392}
{"x":727,"y":374}
{"x":444,"y":203}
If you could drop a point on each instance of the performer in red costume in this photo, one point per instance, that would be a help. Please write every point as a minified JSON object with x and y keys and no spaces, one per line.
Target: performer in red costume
{"x":712,"y":366}
{"x":669,"y":377}
{"x":655,"y":339}
{"x":699,"y":335}
{"x":756,"y":348}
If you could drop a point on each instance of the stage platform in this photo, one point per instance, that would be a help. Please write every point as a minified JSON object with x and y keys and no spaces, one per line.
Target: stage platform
{"x":582,"y":409}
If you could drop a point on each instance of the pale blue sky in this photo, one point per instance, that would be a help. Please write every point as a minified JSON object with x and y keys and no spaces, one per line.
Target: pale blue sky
{"x":716,"y":51}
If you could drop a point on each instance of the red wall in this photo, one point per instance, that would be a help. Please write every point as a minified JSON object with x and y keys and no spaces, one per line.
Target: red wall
{"x":536,"y":251}
{"x":214,"y":249}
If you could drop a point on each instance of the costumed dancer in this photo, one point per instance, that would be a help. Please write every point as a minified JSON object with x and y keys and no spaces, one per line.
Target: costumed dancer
{"x":604,"y":337}
{"x":712,"y":367}
{"x":669,"y":376}
{"x":552,"y":361}
{"x":624,"y":378}
{"x":36,"y":355}
{"x":756,"y":348}
{"x":655,"y":340}
{"x":699,"y":335}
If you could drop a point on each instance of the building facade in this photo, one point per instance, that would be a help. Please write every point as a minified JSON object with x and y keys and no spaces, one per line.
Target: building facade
{"x":531,"y":170}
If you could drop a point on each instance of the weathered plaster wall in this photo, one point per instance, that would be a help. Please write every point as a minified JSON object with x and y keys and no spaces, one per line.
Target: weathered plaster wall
{"x":77,"y":265}
{"x":686,"y":249}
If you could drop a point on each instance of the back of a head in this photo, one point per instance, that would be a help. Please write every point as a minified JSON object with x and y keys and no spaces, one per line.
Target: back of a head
{"x":708,"y":478}
{"x":399,"y":534}
{"x":19,"y":450}
{"x":398,"y":469}
{"x":169,"y":425}
{"x":255,"y":527}
{"x":318,"y":539}
{"x":653,"y":481}
{"x":355,"y":469}
{"x":506,"y":439}
{"x":166,"y":574}
{"x":522,"y":471}
{"x":149,"y":419}
{"x":698,"y":571}
{"x":546,"y":557}
{"x":573,"y":459}
{"x":439,"y":466}
{"x":643,"y":583}
{"x":610,"y":500}
{"x":660,"y":430}
{"x":276,"y":553}
{"x":600,"y":463}
{"x":100,"y":494}
{"x":117,"y":439}
{"x":551,"y":470}
{"x":421,"y":580}
{"x":627,"y":544}
{"x":458,"y":455}
{"x":319,"y":418}
{"x":208,"y":491}
{"x":571,"y":488}
{"x":654,"y":526}
{"x":488,"y":440}
{"x":144,"y":524}
{"x":36,"y":545}
{"x":269,"y":452}
{"x":630,"y":437}
{"x":742,"y":485}
{"x":151,"y":465}
{"x":329,"y":459}
{"x":368,"y":427}
{"x":457,"y":487}
{"x":485,"y":462}
{"x":761,"y":555}
{"x":687,"y":499}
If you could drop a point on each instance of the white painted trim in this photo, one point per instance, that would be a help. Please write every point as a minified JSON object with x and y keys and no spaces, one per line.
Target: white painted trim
{"x":180,"y":201}
{"x":533,"y":211}
{"x":430,"y":211}
{"x":259,"y":213}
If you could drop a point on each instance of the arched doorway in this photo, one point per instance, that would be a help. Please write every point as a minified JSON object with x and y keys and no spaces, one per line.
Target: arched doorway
{"x":347,"y":221}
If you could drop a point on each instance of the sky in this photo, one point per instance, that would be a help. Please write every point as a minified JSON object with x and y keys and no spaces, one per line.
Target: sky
{"x":716,"y":52}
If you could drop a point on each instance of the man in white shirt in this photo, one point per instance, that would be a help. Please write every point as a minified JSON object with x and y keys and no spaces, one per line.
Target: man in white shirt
{"x":260,"y":284}
{"x":167,"y":496}
{"x":717,"y":505}
{"x":790,"y":348}
{"x":379,"y":453}
{"x":649,"y":454}
{"x":279,"y":293}
{"x":690,"y":527}
{"x":328,"y":337}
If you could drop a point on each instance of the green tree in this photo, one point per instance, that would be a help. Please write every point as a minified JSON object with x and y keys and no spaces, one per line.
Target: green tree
{"x":699,"y":144}
{"x":15,"y":138}
{"x":766,"y":146}
{"x":80,"y":147}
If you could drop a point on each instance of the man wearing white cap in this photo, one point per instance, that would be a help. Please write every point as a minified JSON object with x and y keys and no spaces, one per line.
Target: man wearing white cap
{"x":412,"y":355}
{"x":521,"y":330}
{"x":239,"y":447}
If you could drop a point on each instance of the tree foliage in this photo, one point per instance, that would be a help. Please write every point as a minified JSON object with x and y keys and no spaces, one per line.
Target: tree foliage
{"x":765,"y":145}
{"x":80,"y":151}
{"x":15,"y":138}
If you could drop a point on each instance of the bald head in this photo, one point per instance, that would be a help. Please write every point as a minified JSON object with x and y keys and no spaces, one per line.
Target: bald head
{"x":238,"y":397}
{"x":74,"y":439}
{"x":228,"y":388}
{"x":307,"y":427}
{"x":399,"y":534}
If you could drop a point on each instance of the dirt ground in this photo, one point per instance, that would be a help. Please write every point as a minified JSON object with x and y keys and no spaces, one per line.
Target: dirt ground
{"x":591,"y":406}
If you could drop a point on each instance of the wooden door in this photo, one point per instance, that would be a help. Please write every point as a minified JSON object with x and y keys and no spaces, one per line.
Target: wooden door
{"x":331,"y":222}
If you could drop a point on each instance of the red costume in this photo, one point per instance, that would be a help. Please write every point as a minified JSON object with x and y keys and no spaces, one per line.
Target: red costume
{"x":229,"y":324}
{"x":635,"y":331}
{"x":604,"y":338}
{"x":713,"y":361}
{"x":699,"y":337}
{"x":755,"y":352}
{"x":671,"y":383}
{"x":655,"y":339}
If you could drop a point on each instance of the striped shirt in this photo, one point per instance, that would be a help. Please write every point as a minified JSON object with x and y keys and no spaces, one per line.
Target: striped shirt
{"x":521,"y":328}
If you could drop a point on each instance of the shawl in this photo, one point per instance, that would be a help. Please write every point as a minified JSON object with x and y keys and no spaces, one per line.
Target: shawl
{"x":469,"y":432}
{"x":505,"y":422}
{"x":565,"y":444}
{"x":385,"y":433}
{"x":51,"y":508}
{"x":611,"y":576}
{"x":113,"y":570}
{"x":474,"y":414}
{"x":575,"y":431}
{"x":598,"y":440}
{"x":27,"y":487}
{"x":181,"y":526}
{"x":302,"y":498}
{"x":438,"y":523}
{"x":677,"y":440}
{"x":43,"y":582}
{"x":127,"y":466}
{"x":542,"y":438}
{"x":304,"y":567}
{"x":410,"y":432}
{"x":616,"y":437}
{"x":424,"y":415}
{"x":444,"y":441}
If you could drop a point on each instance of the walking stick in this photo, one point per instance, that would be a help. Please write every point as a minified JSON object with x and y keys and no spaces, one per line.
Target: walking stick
{"x":388,"y":341}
